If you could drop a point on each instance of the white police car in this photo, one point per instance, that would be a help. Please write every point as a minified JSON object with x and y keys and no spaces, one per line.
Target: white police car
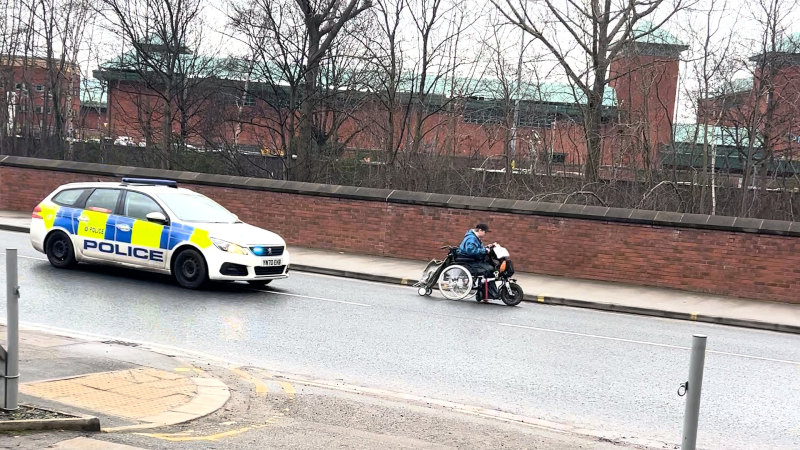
{"x":157,"y":226}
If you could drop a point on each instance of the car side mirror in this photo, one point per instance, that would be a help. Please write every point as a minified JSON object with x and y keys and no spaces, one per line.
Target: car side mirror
{"x":157,"y":217}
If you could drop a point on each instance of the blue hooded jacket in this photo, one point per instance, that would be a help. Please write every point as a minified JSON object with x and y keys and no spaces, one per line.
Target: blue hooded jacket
{"x":471,"y":246}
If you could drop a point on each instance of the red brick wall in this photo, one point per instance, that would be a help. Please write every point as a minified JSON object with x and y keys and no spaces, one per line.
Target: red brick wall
{"x":749,"y":265}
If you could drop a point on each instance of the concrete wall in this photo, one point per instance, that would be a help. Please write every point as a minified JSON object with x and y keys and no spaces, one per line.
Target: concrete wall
{"x":750,"y":258}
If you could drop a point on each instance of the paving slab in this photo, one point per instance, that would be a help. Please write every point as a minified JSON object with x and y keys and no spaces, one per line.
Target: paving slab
{"x":84,"y":443}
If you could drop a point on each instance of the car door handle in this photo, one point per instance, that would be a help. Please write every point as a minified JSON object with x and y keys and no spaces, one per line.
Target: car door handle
{"x":123,"y":227}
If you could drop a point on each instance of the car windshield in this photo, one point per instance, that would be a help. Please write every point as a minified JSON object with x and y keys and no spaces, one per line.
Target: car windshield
{"x":194,"y":207}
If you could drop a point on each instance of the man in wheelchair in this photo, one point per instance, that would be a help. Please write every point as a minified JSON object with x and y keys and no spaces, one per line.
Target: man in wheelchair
{"x":473,"y":255}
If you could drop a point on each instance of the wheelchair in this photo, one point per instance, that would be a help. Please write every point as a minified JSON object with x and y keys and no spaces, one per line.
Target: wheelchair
{"x":456,"y":282}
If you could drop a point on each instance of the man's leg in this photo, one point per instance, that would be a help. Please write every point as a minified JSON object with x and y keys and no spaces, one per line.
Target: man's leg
{"x":492,"y":285}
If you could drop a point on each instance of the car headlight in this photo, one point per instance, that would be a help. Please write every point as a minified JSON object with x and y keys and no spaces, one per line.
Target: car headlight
{"x":229,"y":247}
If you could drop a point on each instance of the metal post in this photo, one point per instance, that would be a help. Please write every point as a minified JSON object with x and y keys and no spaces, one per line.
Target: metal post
{"x":693,"y":388}
{"x":11,"y":376}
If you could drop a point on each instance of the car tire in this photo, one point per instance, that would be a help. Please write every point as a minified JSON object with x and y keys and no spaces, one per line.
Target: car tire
{"x":259,"y":283}
{"x":59,"y":250}
{"x":189,"y":269}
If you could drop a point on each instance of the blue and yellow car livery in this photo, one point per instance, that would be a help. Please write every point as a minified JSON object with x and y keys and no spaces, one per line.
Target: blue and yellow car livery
{"x":236,"y":251}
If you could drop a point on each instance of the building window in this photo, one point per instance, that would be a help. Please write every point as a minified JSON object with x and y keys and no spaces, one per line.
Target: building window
{"x":39,"y":110}
{"x":533,"y":121}
{"x":18,"y":86}
{"x":249,"y":100}
{"x":39,"y":88}
{"x":482,"y":116}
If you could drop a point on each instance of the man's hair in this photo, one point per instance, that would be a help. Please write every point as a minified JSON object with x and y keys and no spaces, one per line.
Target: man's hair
{"x":482,"y":226}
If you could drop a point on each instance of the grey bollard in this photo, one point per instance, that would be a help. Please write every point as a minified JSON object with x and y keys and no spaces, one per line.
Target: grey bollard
{"x":11,"y":375}
{"x":693,"y":389}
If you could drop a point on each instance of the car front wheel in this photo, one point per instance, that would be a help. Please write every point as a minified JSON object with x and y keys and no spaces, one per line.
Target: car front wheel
{"x":190,"y":269}
{"x":59,"y":251}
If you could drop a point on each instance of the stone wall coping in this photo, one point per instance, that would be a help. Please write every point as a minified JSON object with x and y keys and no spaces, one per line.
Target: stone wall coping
{"x":500,"y":205}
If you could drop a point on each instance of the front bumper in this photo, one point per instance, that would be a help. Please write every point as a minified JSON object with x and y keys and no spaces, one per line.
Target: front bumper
{"x":228,"y":267}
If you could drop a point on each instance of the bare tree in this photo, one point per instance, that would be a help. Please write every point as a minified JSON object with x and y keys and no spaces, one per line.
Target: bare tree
{"x":323,"y":20}
{"x":63,"y":29}
{"x":16,"y":42}
{"x":599,"y":31}
{"x":711,"y":69}
{"x":389,"y":79}
{"x":776,"y":100}
{"x":438,"y":25}
{"x":274,"y":35}
{"x":761,"y":116}
{"x":166,"y":38}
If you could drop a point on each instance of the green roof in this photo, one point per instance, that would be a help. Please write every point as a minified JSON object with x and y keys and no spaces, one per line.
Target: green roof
{"x":644,"y":33}
{"x":494,"y":89}
{"x":721,"y":136}
{"x":230,"y":68}
{"x":740,"y":85}
{"x":545,"y":92}
{"x":124,"y":67}
{"x":93,"y":92}
{"x":789,"y":44}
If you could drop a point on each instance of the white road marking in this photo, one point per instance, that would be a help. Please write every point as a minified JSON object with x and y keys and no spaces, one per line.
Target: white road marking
{"x":27,"y":257}
{"x":652,"y":344}
{"x":315,"y":298}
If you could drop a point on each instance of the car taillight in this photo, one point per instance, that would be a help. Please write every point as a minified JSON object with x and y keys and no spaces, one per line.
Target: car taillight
{"x":37,"y":212}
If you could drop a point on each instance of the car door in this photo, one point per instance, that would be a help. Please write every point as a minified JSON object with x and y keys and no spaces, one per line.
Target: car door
{"x":95,"y":231}
{"x":140,"y":241}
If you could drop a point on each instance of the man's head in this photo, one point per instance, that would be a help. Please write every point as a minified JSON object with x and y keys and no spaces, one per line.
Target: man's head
{"x":481,"y":229}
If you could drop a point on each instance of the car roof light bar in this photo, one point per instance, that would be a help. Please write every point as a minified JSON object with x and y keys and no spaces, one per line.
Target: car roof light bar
{"x":150,"y":181}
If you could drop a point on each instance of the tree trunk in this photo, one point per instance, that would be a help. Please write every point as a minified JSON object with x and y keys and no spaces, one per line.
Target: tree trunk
{"x":306,"y":148}
{"x":166,"y":139}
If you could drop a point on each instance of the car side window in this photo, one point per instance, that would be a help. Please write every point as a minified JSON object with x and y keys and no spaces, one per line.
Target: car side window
{"x":103,"y":200}
{"x":69,"y":197}
{"x":138,"y":205}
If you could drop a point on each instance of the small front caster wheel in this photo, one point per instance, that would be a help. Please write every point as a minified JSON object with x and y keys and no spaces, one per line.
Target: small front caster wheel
{"x":422,"y":291}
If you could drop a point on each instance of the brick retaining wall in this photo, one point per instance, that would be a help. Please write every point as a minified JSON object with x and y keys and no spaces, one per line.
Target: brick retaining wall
{"x":749,"y":258}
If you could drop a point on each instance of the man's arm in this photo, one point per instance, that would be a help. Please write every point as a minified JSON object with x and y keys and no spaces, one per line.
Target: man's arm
{"x":473,"y":247}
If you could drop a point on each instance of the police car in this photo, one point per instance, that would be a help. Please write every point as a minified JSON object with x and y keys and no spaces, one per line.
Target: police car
{"x":155,"y":225}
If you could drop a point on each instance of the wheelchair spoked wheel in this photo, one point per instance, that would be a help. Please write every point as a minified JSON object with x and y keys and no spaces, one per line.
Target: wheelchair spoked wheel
{"x":455,"y":282}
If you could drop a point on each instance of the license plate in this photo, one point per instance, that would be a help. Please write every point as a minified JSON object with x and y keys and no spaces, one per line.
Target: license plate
{"x":271,"y":262}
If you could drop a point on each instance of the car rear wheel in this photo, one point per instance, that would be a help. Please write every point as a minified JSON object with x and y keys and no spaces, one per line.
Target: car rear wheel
{"x":59,"y":251}
{"x":190,"y":269}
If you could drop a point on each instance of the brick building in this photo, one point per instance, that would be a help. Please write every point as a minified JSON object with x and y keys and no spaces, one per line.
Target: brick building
{"x":764,"y":107}
{"x":39,"y":96}
{"x":93,"y":111}
{"x":233,"y":106}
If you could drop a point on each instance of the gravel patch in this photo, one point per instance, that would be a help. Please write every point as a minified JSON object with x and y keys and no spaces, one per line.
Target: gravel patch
{"x":25,"y":412}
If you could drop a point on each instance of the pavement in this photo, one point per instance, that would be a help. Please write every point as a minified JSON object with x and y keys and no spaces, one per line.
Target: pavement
{"x":126,"y":387}
{"x":132,"y":388}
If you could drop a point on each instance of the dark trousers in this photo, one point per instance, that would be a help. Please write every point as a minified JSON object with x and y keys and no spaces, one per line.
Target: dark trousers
{"x":485,"y":269}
